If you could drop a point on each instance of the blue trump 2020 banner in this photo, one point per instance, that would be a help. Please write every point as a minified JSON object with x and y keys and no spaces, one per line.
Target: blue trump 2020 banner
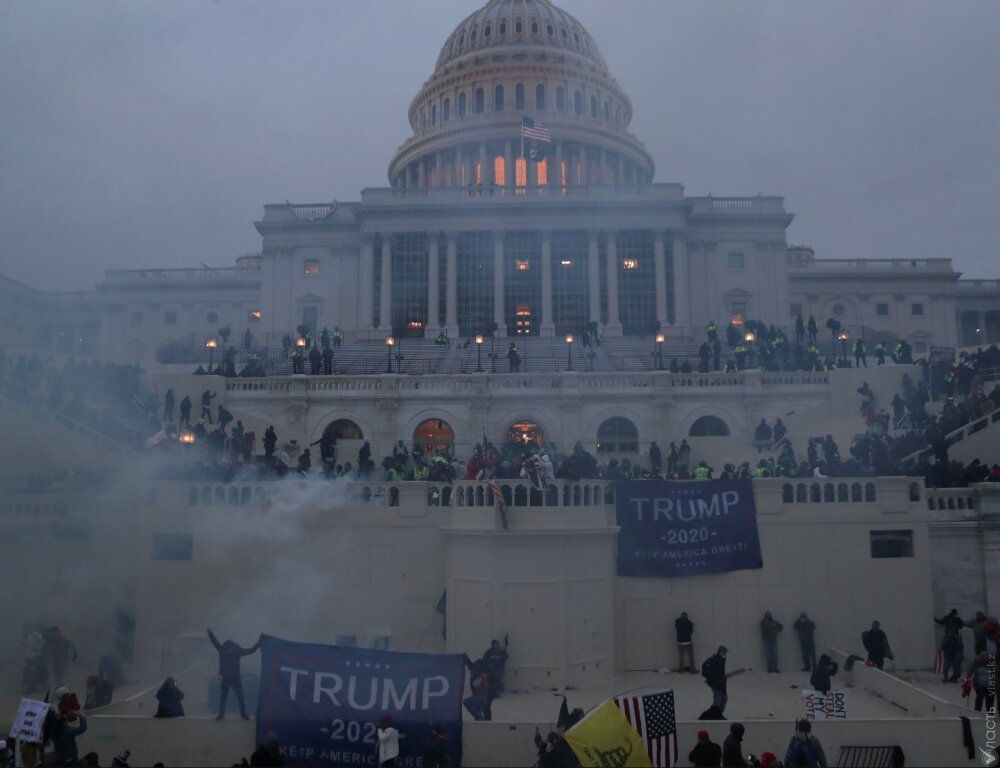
{"x":686,"y":528}
{"x":323,"y":702}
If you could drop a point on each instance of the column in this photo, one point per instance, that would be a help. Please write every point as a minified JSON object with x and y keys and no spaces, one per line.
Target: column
{"x":594,"y":276}
{"x":498,"y":291}
{"x":584,"y":165}
{"x":660,"y":261}
{"x":433,"y":324}
{"x":620,"y":178}
{"x":532,"y":168}
{"x":385,"y":297}
{"x":555,"y":174}
{"x":548,"y":326}
{"x":484,"y":174}
{"x":451,"y":285}
{"x":365,"y":283}
{"x":614,"y":327}
{"x":421,"y":173}
{"x":508,"y":165}
{"x":460,"y":177}
{"x":410,"y":180}
{"x":682,"y":313}
{"x":438,"y":167}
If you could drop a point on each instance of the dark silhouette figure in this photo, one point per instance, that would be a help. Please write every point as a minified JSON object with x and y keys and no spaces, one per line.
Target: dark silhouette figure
{"x":169,"y":699}
{"x":229,"y":671}
{"x":168,"y":405}
{"x":206,"y":405}
{"x":270,"y":440}
{"x":185,"y":412}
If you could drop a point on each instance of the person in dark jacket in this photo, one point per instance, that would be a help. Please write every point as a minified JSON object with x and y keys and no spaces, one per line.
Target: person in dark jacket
{"x":229,"y":670}
{"x":769,"y":629}
{"x":685,"y":642}
{"x":824,"y":670}
{"x":64,"y":737}
{"x":732,"y":747}
{"x":169,"y":699}
{"x":706,"y":753}
{"x":713,"y":669}
{"x":805,"y":628}
{"x":877,"y":645}
{"x":270,"y":440}
{"x":435,"y":754}
{"x":267,"y":754}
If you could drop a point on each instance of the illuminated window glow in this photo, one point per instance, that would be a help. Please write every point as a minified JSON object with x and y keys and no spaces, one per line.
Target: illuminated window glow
{"x":543,"y":173}
{"x":566,"y":262}
{"x":311,"y":267}
{"x":498,"y":171}
{"x":523,"y":266}
{"x":255,"y":314}
{"x":630,"y":263}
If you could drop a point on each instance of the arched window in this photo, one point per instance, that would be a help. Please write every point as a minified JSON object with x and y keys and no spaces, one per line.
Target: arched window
{"x":434,"y":114}
{"x":577,"y":102}
{"x":423,"y":119}
{"x":434,"y":436}
{"x":343,"y":429}
{"x":480,"y":100}
{"x":560,"y":98}
{"x":519,"y":96}
{"x":617,"y":435}
{"x":787,"y":494}
{"x":539,"y":96}
{"x":709,"y":426}
{"x":498,"y":105}
{"x":461,"y":105}
{"x":593,"y":106}
{"x":499,"y":175}
{"x":525,"y":432}
{"x":446,"y":111}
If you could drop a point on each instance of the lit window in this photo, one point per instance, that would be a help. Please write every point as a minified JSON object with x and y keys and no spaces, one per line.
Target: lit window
{"x":311,"y":267}
{"x":736,"y":261}
{"x":499,"y":172}
{"x":255,"y":315}
{"x":523,"y":265}
{"x":882,"y":310}
{"x":917,"y":309}
{"x":542,"y":170}
{"x":521,"y":172}
{"x":170,"y":318}
{"x":566,"y":263}
{"x":630,"y":264}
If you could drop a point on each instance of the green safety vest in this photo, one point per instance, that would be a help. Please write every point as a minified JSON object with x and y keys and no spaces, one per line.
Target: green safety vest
{"x":702,"y":473}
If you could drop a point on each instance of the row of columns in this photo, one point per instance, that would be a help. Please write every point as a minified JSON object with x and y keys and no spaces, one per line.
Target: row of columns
{"x":596,"y":165}
{"x":547,"y":325}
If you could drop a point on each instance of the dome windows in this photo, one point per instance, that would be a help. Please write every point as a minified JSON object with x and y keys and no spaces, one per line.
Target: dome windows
{"x":593,"y":106}
{"x":577,"y":102}
{"x":519,"y":96}
{"x":560,"y":98}
{"x":551,"y":30}
{"x":488,"y":31}
{"x":540,"y":96}
{"x":503,"y":27}
{"x":534,"y":27}
{"x":576,"y":39}
{"x":518,"y":27}
{"x":461,"y":40}
{"x":564,"y":33}
{"x":446,"y":111}
{"x":498,"y":105}
{"x":473,"y":34}
{"x":480,"y":101}
{"x":461,"y":104}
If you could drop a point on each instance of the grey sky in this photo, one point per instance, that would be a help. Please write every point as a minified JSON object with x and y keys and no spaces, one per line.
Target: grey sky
{"x":150,"y":134}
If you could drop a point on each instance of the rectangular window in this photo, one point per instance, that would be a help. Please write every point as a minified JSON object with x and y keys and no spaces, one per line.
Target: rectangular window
{"x":738,"y":308}
{"x":311,"y":267}
{"x":170,"y":318}
{"x":135,"y":318}
{"x":795,"y":310}
{"x":891,"y":543}
{"x":917,"y":309}
{"x":736,"y":261}
{"x":254,"y":316}
{"x":882,"y":310}
{"x":172,"y":546}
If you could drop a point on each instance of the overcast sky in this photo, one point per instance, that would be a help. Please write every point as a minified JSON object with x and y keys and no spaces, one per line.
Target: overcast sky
{"x":150,"y":134}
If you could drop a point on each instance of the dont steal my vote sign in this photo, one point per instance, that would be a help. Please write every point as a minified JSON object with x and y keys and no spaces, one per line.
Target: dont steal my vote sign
{"x":686,"y":528}
{"x":322,"y":702}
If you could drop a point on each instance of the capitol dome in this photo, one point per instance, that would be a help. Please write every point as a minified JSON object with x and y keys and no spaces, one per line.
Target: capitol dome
{"x":509,"y":60}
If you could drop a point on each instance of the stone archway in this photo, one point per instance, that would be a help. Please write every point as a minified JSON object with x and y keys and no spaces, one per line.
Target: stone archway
{"x":434,"y":436}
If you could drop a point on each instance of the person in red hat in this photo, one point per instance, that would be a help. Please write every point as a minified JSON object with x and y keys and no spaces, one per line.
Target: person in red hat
{"x":706,"y":752}
{"x":769,"y":760}
{"x":387,"y":741}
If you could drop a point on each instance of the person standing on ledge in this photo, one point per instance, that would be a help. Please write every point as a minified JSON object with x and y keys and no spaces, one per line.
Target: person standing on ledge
{"x":685,"y":642}
{"x":877,"y":645}
{"x":229,"y":670}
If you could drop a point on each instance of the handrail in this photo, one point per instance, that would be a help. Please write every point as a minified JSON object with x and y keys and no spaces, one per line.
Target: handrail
{"x":957,"y":435}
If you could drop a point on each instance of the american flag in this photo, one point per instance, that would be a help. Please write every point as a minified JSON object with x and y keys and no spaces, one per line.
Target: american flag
{"x":533,"y":130}
{"x":652,"y":715}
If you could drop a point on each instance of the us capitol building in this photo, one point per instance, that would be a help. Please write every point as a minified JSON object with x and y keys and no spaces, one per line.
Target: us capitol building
{"x":490,"y":237}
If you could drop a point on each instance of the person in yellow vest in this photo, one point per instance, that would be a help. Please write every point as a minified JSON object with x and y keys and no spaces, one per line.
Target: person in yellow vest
{"x":702,"y":471}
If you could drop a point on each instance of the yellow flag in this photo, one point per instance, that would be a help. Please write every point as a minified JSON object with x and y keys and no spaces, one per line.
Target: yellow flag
{"x":605,"y":739}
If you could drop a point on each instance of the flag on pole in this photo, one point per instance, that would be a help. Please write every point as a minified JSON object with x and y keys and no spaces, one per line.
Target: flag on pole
{"x":533,"y":130}
{"x":653,"y":717}
{"x":501,"y":503}
{"x":604,"y":737}
{"x":939,"y":662}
